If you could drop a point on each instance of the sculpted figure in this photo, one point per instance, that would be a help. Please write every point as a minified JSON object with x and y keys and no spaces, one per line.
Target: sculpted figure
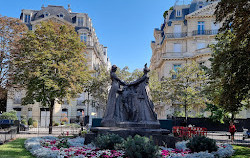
{"x":112,"y":109}
{"x":144,"y":105}
{"x":129,"y":104}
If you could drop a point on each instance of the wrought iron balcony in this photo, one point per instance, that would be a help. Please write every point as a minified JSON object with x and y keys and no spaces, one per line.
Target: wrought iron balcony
{"x":204,"y":32}
{"x":176,"y":35}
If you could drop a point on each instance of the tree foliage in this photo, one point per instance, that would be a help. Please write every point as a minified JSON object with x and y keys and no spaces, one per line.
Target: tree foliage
{"x":51,"y":64}
{"x":234,"y":14}
{"x":11,"y":30}
{"x":187,"y":88}
{"x":230,"y":73}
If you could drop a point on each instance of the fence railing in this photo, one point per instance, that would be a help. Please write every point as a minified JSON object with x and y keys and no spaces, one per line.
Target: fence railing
{"x":204,"y":32}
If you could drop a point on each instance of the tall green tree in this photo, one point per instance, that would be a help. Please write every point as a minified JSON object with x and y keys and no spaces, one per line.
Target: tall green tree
{"x":234,"y":14}
{"x":230,"y":73}
{"x":51,"y":65}
{"x":186,"y":89}
{"x":11,"y":30}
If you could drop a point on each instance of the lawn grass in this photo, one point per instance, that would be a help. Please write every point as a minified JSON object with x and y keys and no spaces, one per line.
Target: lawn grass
{"x":14,"y":149}
{"x":241,"y":152}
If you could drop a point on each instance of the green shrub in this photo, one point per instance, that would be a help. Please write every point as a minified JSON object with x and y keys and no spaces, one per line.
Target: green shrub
{"x":35,"y":123}
{"x":9,"y":115}
{"x":24,"y":121}
{"x":56,"y":124}
{"x":107,"y":141}
{"x":30,"y":121}
{"x":62,"y":123}
{"x":202,"y":143}
{"x":140,"y":147}
{"x":83,"y":133}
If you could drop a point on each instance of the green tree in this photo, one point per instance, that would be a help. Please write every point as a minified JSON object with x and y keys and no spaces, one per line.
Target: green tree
{"x":51,"y":65}
{"x":186,"y":89}
{"x":97,"y":87}
{"x":10,"y":34}
{"x":234,"y":14}
{"x":230,"y":73}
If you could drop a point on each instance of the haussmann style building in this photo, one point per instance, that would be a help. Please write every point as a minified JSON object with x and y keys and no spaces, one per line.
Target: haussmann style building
{"x":188,"y":29}
{"x":96,"y":55}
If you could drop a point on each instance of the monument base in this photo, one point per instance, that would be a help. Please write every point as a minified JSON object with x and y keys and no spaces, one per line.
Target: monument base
{"x":160,"y":136}
{"x":146,"y":125}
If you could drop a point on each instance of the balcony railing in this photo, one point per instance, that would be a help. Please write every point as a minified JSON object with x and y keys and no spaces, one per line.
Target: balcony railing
{"x":203,"y":51}
{"x":204,"y":32}
{"x":172,"y":54}
{"x":176,"y":35}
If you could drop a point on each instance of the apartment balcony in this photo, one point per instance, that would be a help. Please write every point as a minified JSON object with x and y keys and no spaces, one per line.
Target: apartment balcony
{"x":172,"y":55}
{"x":203,"y":51}
{"x":176,"y":35}
{"x":204,"y":32}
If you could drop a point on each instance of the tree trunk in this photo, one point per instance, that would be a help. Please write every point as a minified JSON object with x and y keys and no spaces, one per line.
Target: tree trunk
{"x":185,"y":113}
{"x":51,"y":107}
{"x":232,"y":117}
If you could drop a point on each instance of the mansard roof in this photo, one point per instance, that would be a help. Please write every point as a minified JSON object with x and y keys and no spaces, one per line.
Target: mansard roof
{"x":53,"y":10}
{"x":206,"y":11}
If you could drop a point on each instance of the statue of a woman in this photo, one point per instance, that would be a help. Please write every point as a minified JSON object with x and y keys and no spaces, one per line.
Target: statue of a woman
{"x":144,"y":105}
{"x":112,"y":109}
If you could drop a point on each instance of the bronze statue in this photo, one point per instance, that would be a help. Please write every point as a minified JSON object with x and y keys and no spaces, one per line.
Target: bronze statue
{"x":130,"y":104}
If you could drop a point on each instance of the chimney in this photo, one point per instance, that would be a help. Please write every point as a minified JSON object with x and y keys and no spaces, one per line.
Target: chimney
{"x":69,"y":9}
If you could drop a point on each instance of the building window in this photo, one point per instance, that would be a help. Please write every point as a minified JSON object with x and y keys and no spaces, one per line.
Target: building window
{"x":175,"y":68}
{"x":83,"y":37}
{"x":80,"y":21}
{"x":26,"y":18}
{"x":177,"y":47}
{"x":178,"y":13}
{"x":45,"y":14}
{"x":201,"y":27}
{"x":18,"y":113}
{"x":17,"y":97}
{"x":61,"y":15}
{"x":80,"y":112}
{"x":29,"y":112}
{"x":201,"y":45}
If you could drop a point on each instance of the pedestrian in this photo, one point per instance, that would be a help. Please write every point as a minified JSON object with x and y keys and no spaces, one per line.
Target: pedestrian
{"x":232,"y":130}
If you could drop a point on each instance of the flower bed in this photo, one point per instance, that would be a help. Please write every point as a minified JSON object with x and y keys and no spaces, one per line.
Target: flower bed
{"x":181,"y":151}
{"x":52,"y":147}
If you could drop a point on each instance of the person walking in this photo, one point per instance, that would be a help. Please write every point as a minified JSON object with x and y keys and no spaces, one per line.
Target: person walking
{"x":232,"y":130}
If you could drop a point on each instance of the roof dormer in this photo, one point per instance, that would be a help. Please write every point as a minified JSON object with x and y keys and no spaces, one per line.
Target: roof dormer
{"x":46,"y":14}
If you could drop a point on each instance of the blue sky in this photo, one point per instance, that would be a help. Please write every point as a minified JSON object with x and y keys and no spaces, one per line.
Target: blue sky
{"x":124,"y":26}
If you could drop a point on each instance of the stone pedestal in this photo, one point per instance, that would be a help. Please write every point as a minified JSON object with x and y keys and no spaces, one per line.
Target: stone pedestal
{"x":160,"y":136}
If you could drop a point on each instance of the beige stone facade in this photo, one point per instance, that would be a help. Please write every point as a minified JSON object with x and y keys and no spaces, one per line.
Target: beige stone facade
{"x":184,"y":37}
{"x":96,"y":55}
